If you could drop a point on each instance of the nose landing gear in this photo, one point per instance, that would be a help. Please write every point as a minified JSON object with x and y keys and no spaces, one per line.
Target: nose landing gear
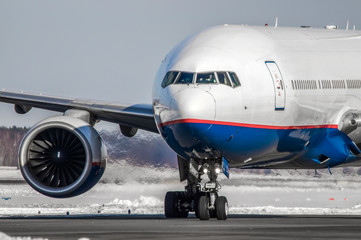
{"x":210,"y":205}
{"x":219,"y":209}
{"x":205,"y":201}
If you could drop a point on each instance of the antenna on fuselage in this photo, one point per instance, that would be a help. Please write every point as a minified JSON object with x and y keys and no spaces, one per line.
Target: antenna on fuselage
{"x":276,"y":23}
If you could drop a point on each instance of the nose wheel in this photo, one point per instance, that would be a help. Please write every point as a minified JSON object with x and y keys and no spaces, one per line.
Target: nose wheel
{"x":203,"y":208}
{"x":221,"y":208}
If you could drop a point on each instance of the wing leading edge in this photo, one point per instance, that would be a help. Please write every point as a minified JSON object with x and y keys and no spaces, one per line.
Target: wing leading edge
{"x":136,"y":116}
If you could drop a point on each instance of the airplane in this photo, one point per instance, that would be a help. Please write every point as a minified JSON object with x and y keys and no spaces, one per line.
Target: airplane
{"x":230,"y":96}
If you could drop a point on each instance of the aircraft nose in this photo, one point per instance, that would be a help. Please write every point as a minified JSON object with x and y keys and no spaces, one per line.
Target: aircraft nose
{"x":193,"y":104}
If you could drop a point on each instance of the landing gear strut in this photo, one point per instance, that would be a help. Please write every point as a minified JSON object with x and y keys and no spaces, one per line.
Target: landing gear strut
{"x":204,"y":201}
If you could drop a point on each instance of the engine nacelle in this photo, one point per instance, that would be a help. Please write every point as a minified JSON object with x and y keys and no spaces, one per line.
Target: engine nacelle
{"x":350,"y":124}
{"x":62,"y":157}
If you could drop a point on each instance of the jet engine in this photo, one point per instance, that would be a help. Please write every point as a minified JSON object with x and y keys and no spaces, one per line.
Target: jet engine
{"x":62,"y":157}
{"x":350,"y":124}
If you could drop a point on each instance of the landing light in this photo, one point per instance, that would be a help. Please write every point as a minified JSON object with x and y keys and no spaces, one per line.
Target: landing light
{"x":205,"y":168}
{"x":218,"y":170}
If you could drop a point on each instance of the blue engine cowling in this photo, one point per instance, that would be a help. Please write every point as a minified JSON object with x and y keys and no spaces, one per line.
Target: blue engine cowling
{"x":62,"y":157}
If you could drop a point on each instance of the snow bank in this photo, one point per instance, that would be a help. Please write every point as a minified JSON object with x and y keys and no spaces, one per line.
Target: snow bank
{"x":142,"y":190}
{"x":3,"y":236}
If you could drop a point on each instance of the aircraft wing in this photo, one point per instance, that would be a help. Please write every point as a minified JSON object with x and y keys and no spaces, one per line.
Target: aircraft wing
{"x":137,"y":116}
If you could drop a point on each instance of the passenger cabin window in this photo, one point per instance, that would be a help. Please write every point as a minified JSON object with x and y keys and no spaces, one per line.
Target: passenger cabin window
{"x":223,"y":78}
{"x":169,"y":78}
{"x":206,"y":78}
{"x":185,"y":78}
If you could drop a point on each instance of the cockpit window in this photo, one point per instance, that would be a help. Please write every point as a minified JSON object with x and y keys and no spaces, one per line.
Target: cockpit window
{"x":206,"y":78}
{"x":185,"y":78}
{"x":169,"y":78}
{"x":223,"y":78}
{"x":234,"y":79}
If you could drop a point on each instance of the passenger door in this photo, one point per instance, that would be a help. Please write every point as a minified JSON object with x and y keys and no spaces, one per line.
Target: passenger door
{"x":278,"y":83}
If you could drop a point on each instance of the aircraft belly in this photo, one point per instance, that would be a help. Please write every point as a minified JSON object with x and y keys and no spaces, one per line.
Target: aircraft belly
{"x":246,"y":146}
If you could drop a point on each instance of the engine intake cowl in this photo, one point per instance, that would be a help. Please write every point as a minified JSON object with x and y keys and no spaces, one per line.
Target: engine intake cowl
{"x":62,"y":157}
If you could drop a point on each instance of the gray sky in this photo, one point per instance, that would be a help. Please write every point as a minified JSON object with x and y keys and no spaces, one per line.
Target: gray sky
{"x":111,"y":50}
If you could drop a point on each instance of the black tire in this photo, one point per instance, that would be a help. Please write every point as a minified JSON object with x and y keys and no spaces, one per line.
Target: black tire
{"x":221,"y":208}
{"x":203,"y":211}
{"x":171,"y":201}
{"x":196,"y":200}
{"x":182,"y":196}
{"x":170,"y":205}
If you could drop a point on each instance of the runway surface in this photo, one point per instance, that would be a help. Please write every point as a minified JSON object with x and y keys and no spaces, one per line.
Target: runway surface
{"x":156,"y":227}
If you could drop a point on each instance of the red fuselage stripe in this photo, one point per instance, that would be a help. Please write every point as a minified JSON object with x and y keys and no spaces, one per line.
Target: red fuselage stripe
{"x":245,"y":124}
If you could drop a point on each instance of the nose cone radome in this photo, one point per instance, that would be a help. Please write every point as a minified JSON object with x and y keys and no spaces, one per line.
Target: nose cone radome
{"x":193,"y":103}
{"x":192,"y":114}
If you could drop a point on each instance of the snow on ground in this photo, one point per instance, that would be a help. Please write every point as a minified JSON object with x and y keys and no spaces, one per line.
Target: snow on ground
{"x":142,"y":190}
{"x":3,"y":236}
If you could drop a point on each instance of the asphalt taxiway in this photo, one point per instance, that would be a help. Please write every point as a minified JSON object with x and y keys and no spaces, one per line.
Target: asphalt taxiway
{"x":156,"y":227}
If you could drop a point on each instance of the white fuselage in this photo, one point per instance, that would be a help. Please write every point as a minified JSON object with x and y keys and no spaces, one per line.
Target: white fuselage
{"x":318,"y":69}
